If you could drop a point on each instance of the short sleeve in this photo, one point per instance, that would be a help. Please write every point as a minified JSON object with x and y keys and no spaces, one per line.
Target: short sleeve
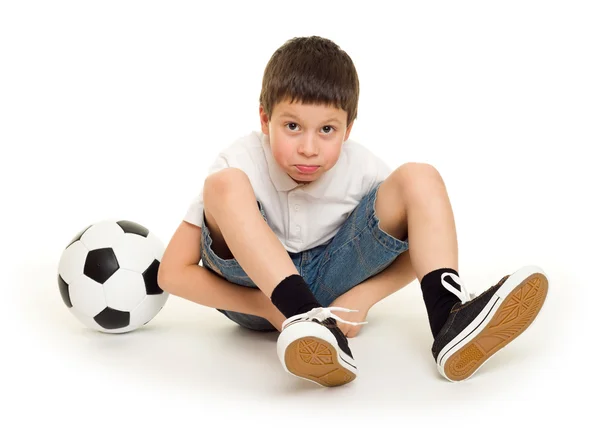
{"x":381,"y":171}
{"x":195,"y":210}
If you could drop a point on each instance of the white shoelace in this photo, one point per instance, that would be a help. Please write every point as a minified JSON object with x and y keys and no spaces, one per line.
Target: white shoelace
{"x":463,"y":294}
{"x":321,"y":314}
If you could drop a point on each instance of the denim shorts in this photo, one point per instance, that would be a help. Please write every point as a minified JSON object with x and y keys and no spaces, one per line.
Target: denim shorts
{"x":358,"y":251}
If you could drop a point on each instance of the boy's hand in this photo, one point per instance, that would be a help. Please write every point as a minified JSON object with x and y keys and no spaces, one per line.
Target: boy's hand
{"x":351,"y":300}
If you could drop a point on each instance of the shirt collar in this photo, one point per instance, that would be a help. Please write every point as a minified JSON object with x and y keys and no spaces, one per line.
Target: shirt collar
{"x":284,"y":183}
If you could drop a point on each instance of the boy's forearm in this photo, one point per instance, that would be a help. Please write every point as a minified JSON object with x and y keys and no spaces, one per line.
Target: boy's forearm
{"x":198,"y":284}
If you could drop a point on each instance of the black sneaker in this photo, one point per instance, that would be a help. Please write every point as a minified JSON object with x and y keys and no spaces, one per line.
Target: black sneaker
{"x":312,"y":347}
{"x":476,"y":329}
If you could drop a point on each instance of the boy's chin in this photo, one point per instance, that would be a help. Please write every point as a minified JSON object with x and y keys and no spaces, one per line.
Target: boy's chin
{"x":302,"y":180}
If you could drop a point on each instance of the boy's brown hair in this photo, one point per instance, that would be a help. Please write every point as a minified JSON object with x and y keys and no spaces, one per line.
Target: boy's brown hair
{"x":312,"y":70}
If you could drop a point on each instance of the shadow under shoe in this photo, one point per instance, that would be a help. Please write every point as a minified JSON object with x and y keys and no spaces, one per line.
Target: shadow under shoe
{"x":477,"y":329}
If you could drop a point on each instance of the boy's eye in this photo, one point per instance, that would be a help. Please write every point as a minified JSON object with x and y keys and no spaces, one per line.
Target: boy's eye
{"x":292,"y":126}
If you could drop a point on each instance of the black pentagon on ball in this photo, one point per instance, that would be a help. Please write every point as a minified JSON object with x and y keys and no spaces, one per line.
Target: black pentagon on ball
{"x":150,"y":276}
{"x":79,"y":235}
{"x":111,"y":319}
{"x":64,"y":291}
{"x":132,"y":227}
{"x":100,"y":264}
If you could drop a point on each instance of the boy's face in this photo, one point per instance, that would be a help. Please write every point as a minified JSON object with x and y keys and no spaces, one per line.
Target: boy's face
{"x":304,"y":135}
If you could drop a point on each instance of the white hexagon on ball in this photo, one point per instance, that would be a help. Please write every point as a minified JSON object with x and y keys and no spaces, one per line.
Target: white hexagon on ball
{"x":157,"y":246}
{"x":102,"y":235}
{"x":72,"y":261}
{"x":87,"y":296}
{"x":86,"y":320}
{"x":124,"y":290}
{"x":148,"y":309}
{"x":134,"y":252}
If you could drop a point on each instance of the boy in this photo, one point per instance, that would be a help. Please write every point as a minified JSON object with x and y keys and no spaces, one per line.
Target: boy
{"x":297,"y":222}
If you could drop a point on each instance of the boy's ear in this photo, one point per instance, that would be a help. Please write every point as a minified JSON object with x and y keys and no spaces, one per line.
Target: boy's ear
{"x":348,"y":130}
{"x":264,"y":120}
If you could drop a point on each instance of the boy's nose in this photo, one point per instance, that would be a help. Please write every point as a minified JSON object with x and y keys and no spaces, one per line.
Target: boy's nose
{"x":309,"y":147}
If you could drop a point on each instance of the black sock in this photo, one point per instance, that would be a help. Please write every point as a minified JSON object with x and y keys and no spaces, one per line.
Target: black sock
{"x":292,"y":296}
{"x":438,"y":300}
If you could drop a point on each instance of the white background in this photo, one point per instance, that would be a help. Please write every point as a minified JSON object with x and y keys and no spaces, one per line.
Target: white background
{"x":116,"y":109}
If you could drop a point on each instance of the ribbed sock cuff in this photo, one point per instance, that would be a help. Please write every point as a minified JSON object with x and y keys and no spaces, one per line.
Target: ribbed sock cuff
{"x":292,"y":296}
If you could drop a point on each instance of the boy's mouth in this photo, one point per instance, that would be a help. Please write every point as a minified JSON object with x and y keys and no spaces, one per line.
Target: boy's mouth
{"x":307,"y":169}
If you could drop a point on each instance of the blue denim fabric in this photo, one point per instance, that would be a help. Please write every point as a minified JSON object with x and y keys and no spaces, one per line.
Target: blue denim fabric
{"x":357,"y":252}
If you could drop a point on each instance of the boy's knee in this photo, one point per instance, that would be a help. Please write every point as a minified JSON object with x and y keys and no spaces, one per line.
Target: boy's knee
{"x":224,"y":182}
{"x":416,"y":178}
{"x":411,"y":170}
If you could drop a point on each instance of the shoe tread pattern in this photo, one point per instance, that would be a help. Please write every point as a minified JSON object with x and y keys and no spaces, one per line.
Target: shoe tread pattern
{"x":317,"y":360}
{"x":514,"y":316}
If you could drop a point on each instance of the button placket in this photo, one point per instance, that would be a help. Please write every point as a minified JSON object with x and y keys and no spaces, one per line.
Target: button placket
{"x":295,"y":216}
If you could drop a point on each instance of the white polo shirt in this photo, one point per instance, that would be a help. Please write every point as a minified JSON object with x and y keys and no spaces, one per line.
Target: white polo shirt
{"x":302,"y":216}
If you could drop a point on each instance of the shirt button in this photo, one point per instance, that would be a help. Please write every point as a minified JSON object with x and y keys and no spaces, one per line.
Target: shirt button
{"x":297,"y":228}
{"x":297,"y":207}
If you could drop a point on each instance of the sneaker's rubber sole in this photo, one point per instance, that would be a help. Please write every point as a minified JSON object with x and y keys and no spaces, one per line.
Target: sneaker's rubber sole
{"x":509,"y":313}
{"x":316,"y":359}
{"x":310,"y":351}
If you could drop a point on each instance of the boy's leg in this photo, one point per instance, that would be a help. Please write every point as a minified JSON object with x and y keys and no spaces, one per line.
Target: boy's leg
{"x":236,"y":224}
{"x":368,"y":259}
{"x":223,"y":265}
{"x":413,"y":201}
{"x":238,"y":229}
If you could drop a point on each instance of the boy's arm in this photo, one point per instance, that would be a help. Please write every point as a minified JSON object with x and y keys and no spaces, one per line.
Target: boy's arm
{"x":180,"y":275}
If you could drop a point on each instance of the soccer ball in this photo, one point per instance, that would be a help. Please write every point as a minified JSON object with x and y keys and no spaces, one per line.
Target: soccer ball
{"x":107,"y":276}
